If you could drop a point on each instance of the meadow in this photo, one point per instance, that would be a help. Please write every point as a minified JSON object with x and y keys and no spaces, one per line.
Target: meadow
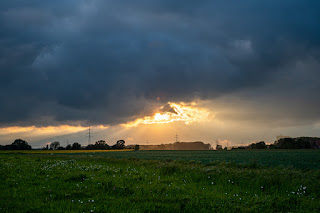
{"x":160,"y":181}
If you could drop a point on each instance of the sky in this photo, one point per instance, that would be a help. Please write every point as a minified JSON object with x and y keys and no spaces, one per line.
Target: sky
{"x":144,"y":71}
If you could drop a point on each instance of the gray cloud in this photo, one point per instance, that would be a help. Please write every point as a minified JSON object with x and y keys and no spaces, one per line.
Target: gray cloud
{"x":107,"y":62}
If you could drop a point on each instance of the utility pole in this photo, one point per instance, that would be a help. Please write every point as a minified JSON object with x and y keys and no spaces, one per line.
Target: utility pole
{"x":89,"y":134}
{"x":227,"y":144}
{"x":177,"y":138}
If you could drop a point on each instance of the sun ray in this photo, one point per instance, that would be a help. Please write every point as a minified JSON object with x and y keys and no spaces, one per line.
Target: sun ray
{"x":173,"y":112}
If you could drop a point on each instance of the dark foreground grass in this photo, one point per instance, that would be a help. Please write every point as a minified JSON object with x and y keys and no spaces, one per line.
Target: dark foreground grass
{"x":96,"y":183}
{"x":302,"y":159}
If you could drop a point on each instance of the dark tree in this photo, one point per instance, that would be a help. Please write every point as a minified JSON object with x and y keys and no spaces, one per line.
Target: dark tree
{"x":20,"y":144}
{"x":91,"y":147}
{"x":7,"y":147}
{"x":136,"y":147}
{"x":218,"y":147}
{"x":120,"y":144}
{"x":302,"y":143}
{"x":4,"y":147}
{"x":69,"y":147}
{"x":76,"y":146}
{"x":55,"y":145}
{"x":261,"y":145}
{"x":285,"y":143}
{"x":101,"y":145}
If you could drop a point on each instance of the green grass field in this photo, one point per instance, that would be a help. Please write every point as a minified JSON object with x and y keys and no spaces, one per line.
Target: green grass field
{"x":161,"y":181}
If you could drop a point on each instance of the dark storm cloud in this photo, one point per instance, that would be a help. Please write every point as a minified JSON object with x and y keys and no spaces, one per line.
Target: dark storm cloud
{"x":106,"y":62}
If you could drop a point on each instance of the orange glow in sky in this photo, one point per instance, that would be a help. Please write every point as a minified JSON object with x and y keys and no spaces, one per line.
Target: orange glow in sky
{"x":187,"y":113}
{"x":66,"y":129}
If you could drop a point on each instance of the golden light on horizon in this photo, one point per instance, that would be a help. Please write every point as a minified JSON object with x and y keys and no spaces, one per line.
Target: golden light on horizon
{"x":66,"y":129}
{"x":173,"y":112}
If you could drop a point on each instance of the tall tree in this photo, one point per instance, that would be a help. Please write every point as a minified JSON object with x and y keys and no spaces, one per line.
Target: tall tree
{"x":101,"y":144}
{"x":76,"y":146}
{"x":55,"y":145}
{"x":20,"y":144}
{"x":120,"y":144}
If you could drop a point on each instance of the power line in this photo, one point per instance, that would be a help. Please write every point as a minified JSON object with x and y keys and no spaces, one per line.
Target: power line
{"x":89,"y":135}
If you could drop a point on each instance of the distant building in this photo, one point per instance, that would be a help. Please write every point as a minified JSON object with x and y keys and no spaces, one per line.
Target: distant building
{"x":198,"y":145}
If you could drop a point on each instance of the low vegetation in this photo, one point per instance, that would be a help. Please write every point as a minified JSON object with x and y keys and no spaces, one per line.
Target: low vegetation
{"x":100,"y":182}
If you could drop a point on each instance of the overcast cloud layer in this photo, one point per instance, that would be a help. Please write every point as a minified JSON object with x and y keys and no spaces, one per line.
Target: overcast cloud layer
{"x":107,"y":61}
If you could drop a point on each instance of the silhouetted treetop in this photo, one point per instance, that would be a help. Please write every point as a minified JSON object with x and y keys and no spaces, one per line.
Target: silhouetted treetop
{"x":20,"y":144}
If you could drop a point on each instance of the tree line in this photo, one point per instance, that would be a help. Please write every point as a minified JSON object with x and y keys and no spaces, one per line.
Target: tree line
{"x":283,"y":143}
{"x":99,"y":145}
{"x":20,"y":144}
